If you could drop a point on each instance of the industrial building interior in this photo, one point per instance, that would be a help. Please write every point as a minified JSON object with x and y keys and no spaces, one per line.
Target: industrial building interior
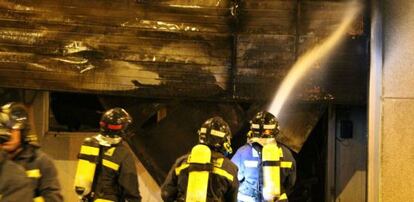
{"x":174,"y":63}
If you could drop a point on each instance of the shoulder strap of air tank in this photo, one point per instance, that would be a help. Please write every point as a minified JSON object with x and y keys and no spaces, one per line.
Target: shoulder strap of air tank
{"x":97,"y":170}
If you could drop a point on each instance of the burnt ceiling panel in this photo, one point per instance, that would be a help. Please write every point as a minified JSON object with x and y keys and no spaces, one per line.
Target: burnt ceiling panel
{"x":139,"y":48}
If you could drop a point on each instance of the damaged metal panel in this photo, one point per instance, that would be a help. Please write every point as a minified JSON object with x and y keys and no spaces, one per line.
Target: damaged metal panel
{"x":347,"y":74}
{"x":140,"y":48}
{"x":340,"y":76}
{"x":265,"y":47}
{"x":321,"y":18}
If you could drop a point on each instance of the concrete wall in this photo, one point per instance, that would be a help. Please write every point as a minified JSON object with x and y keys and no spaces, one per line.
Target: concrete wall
{"x":397,"y":148}
{"x":351,"y":156}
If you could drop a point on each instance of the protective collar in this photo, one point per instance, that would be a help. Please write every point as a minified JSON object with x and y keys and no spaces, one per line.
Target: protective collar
{"x":261,"y":141}
{"x":108,"y":141}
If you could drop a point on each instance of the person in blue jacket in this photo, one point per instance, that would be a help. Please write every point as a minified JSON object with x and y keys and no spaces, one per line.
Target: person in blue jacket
{"x":264,"y":128}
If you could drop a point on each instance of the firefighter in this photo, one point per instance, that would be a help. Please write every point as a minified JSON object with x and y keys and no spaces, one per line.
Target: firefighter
{"x":206,"y":174}
{"x":106,"y":168}
{"x":266,"y":167}
{"x":22,"y":148}
{"x":14,"y":184}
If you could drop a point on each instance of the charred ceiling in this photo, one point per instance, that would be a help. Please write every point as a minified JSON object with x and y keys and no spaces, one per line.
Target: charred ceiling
{"x":237,"y":50}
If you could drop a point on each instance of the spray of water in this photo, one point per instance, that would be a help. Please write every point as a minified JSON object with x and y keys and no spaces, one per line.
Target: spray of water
{"x":309,"y":59}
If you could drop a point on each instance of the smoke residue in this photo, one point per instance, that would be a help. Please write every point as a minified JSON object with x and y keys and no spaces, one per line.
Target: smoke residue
{"x":309,"y":59}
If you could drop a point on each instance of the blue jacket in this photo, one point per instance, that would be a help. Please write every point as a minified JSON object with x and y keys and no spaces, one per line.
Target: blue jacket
{"x":248,"y":160}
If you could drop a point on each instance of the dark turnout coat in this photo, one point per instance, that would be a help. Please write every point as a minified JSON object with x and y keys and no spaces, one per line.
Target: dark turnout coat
{"x":14,"y":185}
{"x":116,"y":175}
{"x":222,"y":185}
{"x":42,"y":172}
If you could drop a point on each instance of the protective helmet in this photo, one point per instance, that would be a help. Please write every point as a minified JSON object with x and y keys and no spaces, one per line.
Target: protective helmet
{"x":216,"y":134}
{"x":114,"y":122}
{"x":264,"y":125}
{"x":14,"y":116}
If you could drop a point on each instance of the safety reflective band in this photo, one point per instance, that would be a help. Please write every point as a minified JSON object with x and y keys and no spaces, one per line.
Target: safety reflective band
{"x":110,"y":164}
{"x":273,"y":126}
{"x":203,"y":130}
{"x":283,"y":197}
{"x":280,"y":152}
{"x":286,"y":164}
{"x":282,"y":164}
{"x":111,"y":126}
{"x":223,"y":173}
{"x":250,"y":164}
{"x":217,"y":133}
{"x":102,"y":200}
{"x":255,"y":126}
{"x":218,"y":162}
{"x":35,"y":173}
{"x":39,"y":199}
{"x":114,"y":127}
{"x":88,"y":150}
{"x":110,"y":151}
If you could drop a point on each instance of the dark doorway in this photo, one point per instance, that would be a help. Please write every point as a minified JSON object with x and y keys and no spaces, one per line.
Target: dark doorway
{"x":74,"y":112}
{"x":311,"y":161}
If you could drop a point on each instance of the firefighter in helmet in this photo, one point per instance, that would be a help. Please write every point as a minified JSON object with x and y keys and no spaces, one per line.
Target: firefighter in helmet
{"x":106,"y":167}
{"x":206,"y":174}
{"x":14,"y":184}
{"x":266,"y":167}
{"x":22,"y":148}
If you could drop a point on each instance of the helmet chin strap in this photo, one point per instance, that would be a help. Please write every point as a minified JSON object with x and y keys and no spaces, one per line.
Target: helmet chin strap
{"x":108,"y":141}
{"x":227,"y":148}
